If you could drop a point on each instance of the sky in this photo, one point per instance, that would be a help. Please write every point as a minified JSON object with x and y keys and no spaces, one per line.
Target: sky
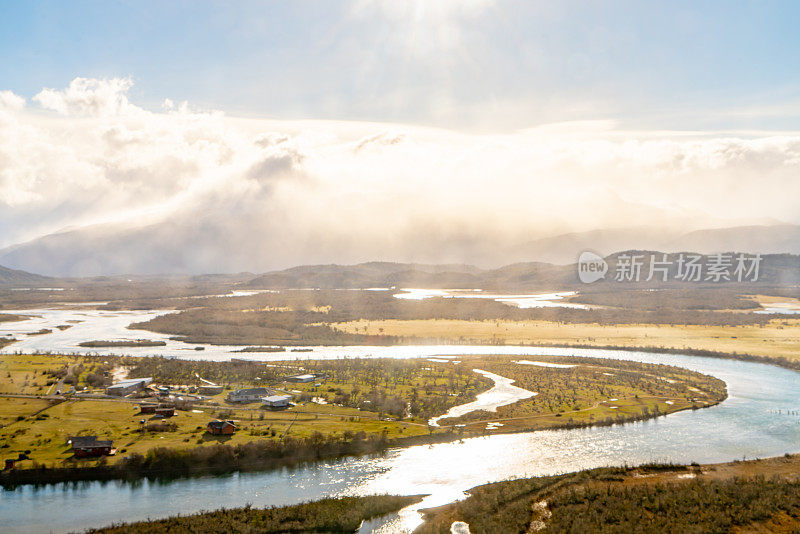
{"x":381,"y":122}
{"x":477,"y":64}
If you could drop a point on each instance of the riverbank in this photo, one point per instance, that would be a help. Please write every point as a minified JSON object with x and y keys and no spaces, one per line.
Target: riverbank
{"x":343,"y":514}
{"x":741,"y":496}
{"x":752,"y":496}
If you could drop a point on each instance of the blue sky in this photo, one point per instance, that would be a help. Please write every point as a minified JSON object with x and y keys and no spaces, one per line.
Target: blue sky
{"x":475,"y":65}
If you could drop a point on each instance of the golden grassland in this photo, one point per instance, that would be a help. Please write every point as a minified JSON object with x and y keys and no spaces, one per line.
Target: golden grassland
{"x":27,"y":374}
{"x":46,"y":434}
{"x":780,"y":337}
{"x":13,"y":408}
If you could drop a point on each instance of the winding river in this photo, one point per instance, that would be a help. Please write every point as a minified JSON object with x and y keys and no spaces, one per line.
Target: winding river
{"x":746,"y":425}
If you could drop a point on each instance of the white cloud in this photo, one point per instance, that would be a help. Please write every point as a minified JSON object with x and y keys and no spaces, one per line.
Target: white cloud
{"x":87,"y":96}
{"x":308,"y":190}
{"x":10,"y":101}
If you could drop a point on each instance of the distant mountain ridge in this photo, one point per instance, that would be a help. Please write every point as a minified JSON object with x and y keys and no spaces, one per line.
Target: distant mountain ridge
{"x":774,"y":270}
{"x":194,"y":247}
{"x":17,"y":278}
{"x":764,"y":239}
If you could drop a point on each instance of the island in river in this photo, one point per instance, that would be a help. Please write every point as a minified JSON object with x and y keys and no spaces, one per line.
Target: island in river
{"x":350,"y":406}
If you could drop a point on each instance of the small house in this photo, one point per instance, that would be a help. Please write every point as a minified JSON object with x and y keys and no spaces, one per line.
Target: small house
{"x":221,"y":428}
{"x":165,"y":411}
{"x":249,"y":394}
{"x":147,"y":408}
{"x":126,"y":387}
{"x":276,"y":401}
{"x":89,"y":446}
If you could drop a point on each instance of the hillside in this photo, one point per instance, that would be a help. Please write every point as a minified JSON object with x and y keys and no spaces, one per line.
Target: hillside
{"x":774,"y":270}
{"x":14,"y":278}
{"x":190,"y":244}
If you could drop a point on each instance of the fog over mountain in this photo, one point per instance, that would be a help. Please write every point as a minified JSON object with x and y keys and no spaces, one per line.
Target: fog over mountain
{"x":162,"y":248}
{"x":91,"y":183}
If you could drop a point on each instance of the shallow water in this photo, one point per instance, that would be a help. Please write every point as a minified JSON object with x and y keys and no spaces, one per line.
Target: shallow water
{"x":503,"y":392}
{"x":536,"y":300}
{"x":744,"y":426}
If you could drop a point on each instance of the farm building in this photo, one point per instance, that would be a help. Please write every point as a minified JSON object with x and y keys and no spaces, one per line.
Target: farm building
{"x":301,"y":378}
{"x":87,"y":446}
{"x":165,"y":411}
{"x":148,"y":408}
{"x":126,"y":387}
{"x":209,"y":389}
{"x":276,"y":401}
{"x":221,"y":428}
{"x":249,"y":394}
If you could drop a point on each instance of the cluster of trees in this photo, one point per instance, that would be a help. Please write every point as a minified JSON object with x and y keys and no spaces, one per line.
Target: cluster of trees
{"x":176,"y":371}
{"x":219,"y":458}
{"x":397,"y":387}
{"x":243,"y":327}
{"x":694,"y":299}
{"x":88,"y":371}
{"x":695,"y":506}
{"x":590,"y":381}
{"x":597,"y":501}
{"x":341,"y":514}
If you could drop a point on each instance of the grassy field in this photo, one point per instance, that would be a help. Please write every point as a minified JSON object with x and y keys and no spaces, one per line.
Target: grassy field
{"x":46,"y":434}
{"x":12,"y":409}
{"x":780,"y":337}
{"x":30,"y":373}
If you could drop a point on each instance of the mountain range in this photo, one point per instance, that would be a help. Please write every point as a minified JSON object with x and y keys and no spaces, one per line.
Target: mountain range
{"x":774,"y":270}
{"x":194,"y":249}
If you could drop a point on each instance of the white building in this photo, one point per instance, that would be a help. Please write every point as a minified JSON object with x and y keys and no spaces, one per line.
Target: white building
{"x":126,"y":387}
{"x":276,"y":401}
{"x":249,"y":394}
{"x":302,"y":378}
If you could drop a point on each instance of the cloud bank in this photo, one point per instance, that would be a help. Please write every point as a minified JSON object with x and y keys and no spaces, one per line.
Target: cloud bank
{"x":224,"y":193}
